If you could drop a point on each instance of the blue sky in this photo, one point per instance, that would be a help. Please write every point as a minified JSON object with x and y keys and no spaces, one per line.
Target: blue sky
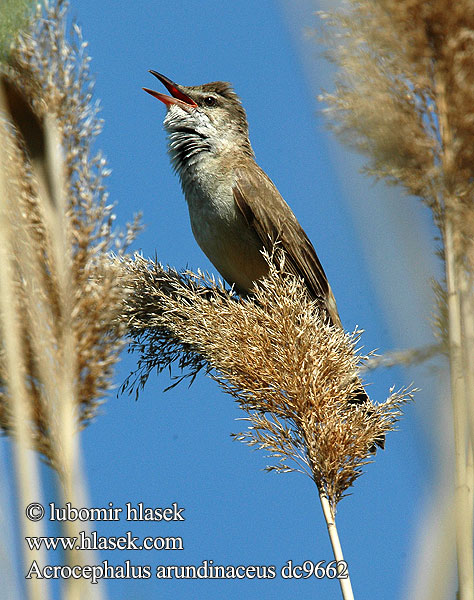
{"x":176,"y":446}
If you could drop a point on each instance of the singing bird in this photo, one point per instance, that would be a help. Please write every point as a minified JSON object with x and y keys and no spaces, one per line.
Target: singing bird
{"x":235,"y":209}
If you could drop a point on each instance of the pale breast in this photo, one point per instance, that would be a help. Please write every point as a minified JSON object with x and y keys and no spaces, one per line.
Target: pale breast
{"x":225,"y":237}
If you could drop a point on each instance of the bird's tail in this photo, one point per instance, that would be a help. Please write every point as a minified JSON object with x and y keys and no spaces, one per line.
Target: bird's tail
{"x":361,"y":397}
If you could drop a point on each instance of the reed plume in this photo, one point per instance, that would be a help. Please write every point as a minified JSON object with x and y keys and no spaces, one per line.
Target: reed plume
{"x":404,"y":97}
{"x":289,"y":370}
{"x":60,"y":226}
{"x":59,"y":338}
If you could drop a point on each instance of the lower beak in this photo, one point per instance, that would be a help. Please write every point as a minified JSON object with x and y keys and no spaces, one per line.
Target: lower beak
{"x":177,"y":95}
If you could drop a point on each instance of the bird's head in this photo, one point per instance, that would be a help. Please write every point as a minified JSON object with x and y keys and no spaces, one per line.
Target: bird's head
{"x":207,"y":117}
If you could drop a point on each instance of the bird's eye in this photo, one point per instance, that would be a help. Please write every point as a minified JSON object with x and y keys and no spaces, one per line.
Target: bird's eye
{"x":210,"y":101}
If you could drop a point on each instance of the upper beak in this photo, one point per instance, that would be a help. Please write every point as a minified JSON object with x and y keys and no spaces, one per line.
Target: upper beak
{"x":177,"y":96}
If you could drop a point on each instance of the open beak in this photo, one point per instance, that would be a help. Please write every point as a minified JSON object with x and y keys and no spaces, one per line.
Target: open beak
{"x":177,"y":96}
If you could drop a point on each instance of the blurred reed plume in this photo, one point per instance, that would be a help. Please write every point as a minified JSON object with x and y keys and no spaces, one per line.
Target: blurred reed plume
{"x":288,"y":369}
{"x":57,"y":227}
{"x":58,"y":298}
{"x":404,"y":97}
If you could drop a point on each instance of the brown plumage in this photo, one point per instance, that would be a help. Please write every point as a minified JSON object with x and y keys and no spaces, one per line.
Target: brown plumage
{"x":280,"y":224}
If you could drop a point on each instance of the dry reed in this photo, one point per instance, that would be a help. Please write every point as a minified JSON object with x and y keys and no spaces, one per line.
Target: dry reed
{"x":61,"y":222}
{"x":404,"y":97}
{"x":291,"y":371}
{"x":59,"y":337}
{"x":275,"y":354}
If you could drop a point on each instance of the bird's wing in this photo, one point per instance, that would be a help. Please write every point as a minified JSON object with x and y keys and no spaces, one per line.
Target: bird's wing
{"x":273,"y":220}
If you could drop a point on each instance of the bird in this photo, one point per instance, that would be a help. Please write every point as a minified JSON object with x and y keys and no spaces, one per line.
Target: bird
{"x":235,"y":209}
